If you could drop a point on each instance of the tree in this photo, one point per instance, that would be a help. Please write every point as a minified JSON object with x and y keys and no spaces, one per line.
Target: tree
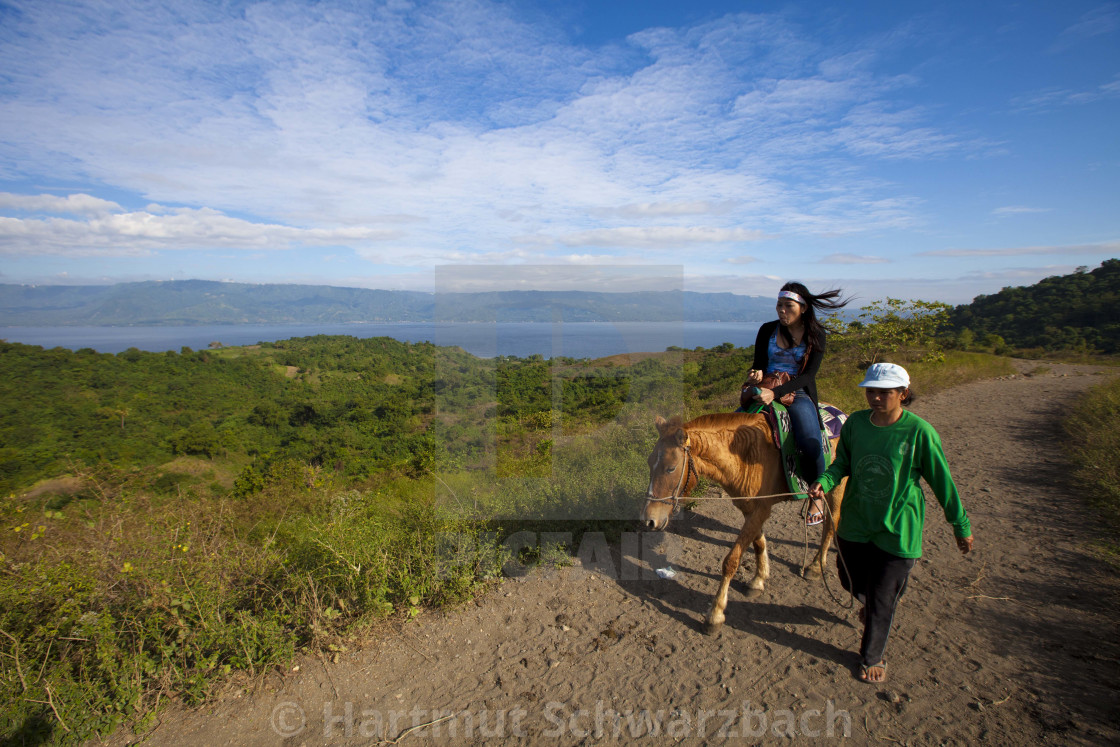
{"x":896,"y":325}
{"x":200,"y":438}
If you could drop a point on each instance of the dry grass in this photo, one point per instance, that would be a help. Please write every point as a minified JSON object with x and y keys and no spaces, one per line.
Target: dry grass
{"x":1093,"y":428}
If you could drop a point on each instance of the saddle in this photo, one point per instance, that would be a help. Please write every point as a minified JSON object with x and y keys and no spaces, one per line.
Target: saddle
{"x":777,"y":417}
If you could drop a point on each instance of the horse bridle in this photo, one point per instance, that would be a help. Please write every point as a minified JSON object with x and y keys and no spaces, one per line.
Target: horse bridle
{"x":675,"y":498}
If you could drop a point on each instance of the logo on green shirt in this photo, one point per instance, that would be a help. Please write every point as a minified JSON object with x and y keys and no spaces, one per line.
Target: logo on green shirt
{"x":876,"y":478}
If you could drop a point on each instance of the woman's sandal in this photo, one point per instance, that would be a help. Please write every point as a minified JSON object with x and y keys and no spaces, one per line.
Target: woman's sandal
{"x":815,"y":517}
{"x":865,"y":674}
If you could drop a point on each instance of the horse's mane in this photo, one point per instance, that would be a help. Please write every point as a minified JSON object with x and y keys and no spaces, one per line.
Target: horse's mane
{"x":718,"y":421}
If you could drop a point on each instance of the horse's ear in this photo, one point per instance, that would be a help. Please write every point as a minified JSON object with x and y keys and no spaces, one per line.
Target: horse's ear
{"x":682,"y":437}
{"x":660,"y":424}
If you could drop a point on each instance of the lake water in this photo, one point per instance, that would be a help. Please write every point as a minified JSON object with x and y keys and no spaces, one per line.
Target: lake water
{"x":575,"y":340}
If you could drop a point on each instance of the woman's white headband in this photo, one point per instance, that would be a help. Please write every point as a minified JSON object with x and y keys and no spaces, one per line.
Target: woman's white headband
{"x":794,"y":296}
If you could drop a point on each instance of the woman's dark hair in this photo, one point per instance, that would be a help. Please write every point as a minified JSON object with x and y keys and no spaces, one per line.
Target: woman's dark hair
{"x":814,"y":332}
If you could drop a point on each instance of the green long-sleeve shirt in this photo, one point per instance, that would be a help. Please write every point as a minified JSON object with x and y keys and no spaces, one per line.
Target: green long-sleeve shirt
{"x":883,"y":501}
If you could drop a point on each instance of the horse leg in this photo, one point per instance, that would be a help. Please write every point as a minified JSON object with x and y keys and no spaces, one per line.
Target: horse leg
{"x":828,"y":531}
{"x":750,"y":533}
{"x":761,"y":568}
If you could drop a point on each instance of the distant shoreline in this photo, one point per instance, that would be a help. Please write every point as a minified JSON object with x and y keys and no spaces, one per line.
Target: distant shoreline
{"x":482,"y":339}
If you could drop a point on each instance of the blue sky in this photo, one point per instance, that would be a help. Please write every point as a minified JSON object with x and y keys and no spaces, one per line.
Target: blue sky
{"x":914,"y":150}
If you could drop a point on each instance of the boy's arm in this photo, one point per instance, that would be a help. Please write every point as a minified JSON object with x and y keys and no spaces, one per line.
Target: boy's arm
{"x":935,"y":471}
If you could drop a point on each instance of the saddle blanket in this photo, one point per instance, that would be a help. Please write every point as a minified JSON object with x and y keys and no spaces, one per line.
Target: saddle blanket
{"x":777,"y":417}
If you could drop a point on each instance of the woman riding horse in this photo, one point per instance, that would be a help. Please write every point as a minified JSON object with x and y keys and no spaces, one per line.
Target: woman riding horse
{"x":794,"y":344}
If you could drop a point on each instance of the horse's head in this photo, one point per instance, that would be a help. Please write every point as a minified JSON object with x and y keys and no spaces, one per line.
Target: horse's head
{"x":671,"y":474}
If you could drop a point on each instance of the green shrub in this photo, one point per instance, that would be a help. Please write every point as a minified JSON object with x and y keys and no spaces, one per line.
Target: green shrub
{"x":1093,"y":428}
{"x":110,"y":606}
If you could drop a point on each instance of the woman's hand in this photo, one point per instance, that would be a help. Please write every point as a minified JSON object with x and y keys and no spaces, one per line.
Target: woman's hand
{"x":965,"y":544}
{"x":765,"y":396}
{"x":754,"y":376}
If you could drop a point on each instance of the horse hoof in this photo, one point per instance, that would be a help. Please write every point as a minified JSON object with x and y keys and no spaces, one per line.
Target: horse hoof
{"x":812,"y":572}
{"x":711,"y":628}
{"x":754,"y":593}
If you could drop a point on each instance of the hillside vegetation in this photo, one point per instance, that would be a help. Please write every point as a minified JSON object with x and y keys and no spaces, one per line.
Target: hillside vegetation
{"x":1093,"y":430}
{"x":174,"y":519}
{"x":1076,"y":312}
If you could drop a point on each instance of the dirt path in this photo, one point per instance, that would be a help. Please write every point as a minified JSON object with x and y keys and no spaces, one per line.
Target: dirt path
{"x":1016,"y":643}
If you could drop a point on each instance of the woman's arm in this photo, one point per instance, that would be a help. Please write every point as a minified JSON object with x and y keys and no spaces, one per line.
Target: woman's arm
{"x":761,"y":347}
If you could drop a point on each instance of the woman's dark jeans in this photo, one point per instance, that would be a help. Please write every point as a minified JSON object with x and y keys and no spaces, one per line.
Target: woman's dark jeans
{"x":806,"y":426}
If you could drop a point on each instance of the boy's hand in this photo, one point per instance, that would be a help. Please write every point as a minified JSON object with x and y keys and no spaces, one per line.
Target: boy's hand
{"x":964,"y":543}
{"x":817,"y":494}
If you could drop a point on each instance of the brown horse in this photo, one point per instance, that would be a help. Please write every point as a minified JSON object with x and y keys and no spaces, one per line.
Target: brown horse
{"x":737,"y":451}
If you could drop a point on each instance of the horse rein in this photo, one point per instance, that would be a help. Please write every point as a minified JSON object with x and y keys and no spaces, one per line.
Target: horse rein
{"x":675,"y":498}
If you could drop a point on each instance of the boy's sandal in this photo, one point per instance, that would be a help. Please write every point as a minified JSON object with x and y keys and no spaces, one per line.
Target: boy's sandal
{"x":864,"y":674}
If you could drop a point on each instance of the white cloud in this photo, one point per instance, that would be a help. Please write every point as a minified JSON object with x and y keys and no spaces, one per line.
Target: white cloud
{"x":670,"y":209}
{"x":602,"y":277}
{"x":1051,"y":98}
{"x":1099,"y":21}
{"x":852,"y":259}
{"x":860,"y":290}
{"x":747,"y":285}
{"x":78,"y":204}
{"x":131,"y":233}
{"x":462,"y":116}
{"x":484,"y":133}
{"x":666,"y":237}
{"x":1017,"y":210}
{"x":874,"y":130}
{"x":1020,"y":275}
{"x":1105,"y":247}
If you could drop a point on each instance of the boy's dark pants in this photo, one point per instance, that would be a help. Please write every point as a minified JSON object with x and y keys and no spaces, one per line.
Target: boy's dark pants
{"x":877,"y":579}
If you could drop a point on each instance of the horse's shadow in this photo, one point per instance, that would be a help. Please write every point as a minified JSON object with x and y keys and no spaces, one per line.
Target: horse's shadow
{"x":763,"y":620}
{"x":769,"y":622}
{"x":687,"y":606}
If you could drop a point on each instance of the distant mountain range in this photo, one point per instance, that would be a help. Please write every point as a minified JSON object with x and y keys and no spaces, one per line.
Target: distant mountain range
{"x":191,"y":302}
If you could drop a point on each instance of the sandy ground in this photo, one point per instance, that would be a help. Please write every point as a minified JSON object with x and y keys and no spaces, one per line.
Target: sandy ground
{"x":1016,"y":643}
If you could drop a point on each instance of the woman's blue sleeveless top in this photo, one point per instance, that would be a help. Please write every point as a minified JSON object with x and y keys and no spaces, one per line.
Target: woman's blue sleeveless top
{"x":785,"y":360}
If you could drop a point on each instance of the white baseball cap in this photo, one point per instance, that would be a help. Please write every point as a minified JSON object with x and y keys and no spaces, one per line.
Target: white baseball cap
{"x":885,"y":376}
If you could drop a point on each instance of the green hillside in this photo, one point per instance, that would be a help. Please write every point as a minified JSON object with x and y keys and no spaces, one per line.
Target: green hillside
{"x":1076,"y":312}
